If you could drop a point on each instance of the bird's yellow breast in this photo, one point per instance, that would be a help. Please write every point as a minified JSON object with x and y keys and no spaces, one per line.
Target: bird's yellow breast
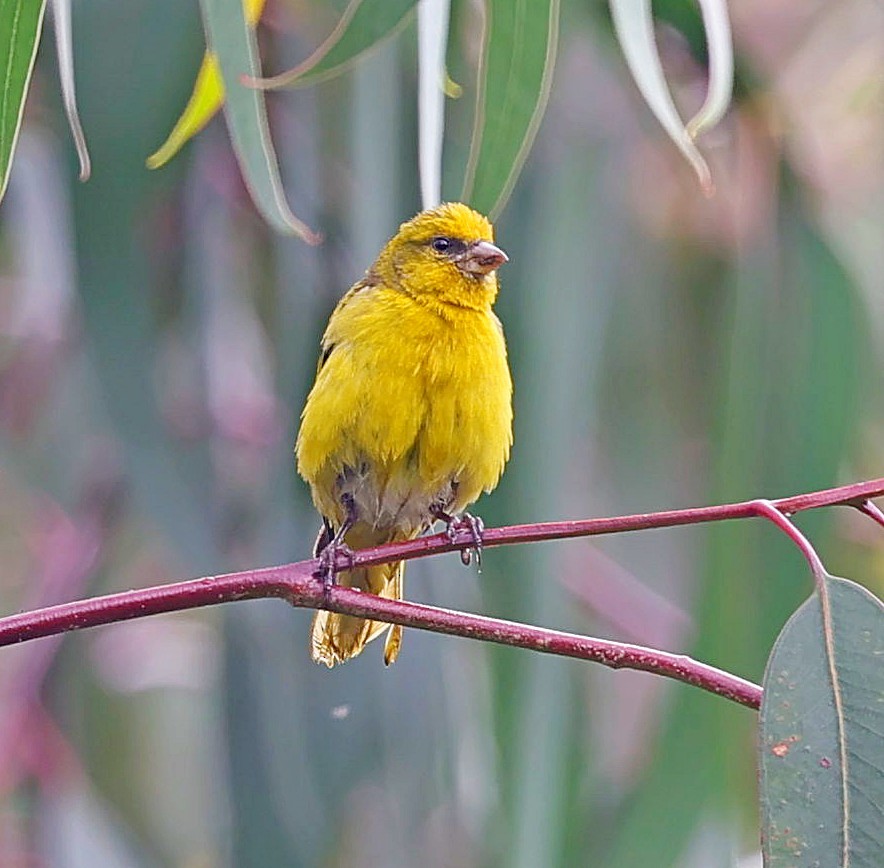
{"x":409,"y":408}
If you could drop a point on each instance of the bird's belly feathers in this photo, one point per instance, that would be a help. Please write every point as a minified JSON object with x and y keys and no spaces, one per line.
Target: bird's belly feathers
{"x":395,"y":498}
{"x":428,"y":424}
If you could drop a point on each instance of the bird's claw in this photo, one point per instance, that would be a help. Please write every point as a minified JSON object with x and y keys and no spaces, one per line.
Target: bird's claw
{"x":328,"y":564}
{"x":476,"y":527}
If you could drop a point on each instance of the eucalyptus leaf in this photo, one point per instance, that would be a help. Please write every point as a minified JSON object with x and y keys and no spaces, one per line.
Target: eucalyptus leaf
{"x":721,"y":67}
{"x":515,"y":74}
{"x":205,"y":100}
{"x":233,"y":41}
{"x":634,"y":25}
{"x":61,"y":11}
{"x":20,"y":24}
{"x":363,"y":25}
{"x":822,"y":734}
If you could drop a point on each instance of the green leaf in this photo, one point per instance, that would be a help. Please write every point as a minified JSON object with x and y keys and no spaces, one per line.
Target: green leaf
{"x":515,"y":74}
{"x":363,"y":25}
{"x":822,"y":734}
{"x":20,"y":25}
{"x":233,"y":42}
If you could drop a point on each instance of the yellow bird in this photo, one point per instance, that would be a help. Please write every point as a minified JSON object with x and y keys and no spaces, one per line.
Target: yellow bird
{"x":410,"y":417}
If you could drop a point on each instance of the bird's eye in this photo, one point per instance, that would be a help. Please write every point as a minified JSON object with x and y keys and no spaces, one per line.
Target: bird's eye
{"x":441,"y":245}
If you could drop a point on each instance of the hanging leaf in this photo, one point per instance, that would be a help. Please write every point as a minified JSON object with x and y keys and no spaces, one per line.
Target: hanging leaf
{"x":634,"y":26}
{"x":721,"y":67}
{"x":64,"y":47}
{"x":206,"y":99}
{"x":515,"y":73}
{"x":363,"y":25}
{"x":233,"y":41}
{"x":204,"y":102}
{"x":20,"y":24}
{"x":822,"y":734}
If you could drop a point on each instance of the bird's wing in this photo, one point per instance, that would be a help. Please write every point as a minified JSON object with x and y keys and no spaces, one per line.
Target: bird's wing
{"x":328,"y":344}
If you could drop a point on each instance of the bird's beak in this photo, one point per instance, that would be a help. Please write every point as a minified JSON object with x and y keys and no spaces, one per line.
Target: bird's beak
{"x":482,"y":258}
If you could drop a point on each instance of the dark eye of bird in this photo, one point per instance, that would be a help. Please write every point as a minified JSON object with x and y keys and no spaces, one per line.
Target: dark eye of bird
{"x":449,"y":246}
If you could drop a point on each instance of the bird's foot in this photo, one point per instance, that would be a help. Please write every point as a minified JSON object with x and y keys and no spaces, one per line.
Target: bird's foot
{"x":465,"y":521}
{"x":329,"y":559}
{"x":330,"y":547}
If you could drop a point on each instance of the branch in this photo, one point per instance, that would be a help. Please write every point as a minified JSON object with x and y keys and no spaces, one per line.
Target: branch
{"x":873,"y":512}
{"x":297,"y":584}
{"x":857,"y":495}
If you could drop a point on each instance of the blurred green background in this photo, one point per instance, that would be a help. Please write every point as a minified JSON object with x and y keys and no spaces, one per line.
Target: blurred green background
{"x":156,"y":345}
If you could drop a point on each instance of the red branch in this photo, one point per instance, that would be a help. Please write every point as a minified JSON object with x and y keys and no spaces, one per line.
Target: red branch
{"x":297,"y":584}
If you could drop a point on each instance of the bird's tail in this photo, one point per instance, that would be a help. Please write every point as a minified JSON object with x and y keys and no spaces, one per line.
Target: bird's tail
{"x":336,"y":638}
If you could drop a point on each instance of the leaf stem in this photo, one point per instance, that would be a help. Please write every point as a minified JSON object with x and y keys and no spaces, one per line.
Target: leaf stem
{"x":767,"y":510}
{"x":871,"y":510}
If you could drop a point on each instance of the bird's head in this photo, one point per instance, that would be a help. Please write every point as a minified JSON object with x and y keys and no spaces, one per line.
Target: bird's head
{"x":444,"y":256}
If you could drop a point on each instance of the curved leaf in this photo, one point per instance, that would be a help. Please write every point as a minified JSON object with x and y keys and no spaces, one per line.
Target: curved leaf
{"x":515,"y":73}
{"x":822,"y":734}
{"x":233,"y":41}
{"x":362,"y":26}
{"x":634,"y":25}
{"x":61,"y":11}
{"x":204,"y":102}
{"x":721,"y":67}
{"x":20,"y":25}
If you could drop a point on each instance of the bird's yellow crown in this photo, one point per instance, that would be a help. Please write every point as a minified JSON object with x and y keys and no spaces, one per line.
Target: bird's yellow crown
{"x":443,"y":256}
{"x":451,"y":218}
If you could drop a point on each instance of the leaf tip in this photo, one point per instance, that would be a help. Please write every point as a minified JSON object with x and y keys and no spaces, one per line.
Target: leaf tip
{"x":254,"y":82}
{"x":314,"y":239}
{"x":700,"y":167}
{"x":160,"y":157}
{"x":451,"y":88}
{"x":79,"y":138}
{"x":707,"y":186}
{"x":85,"y":167}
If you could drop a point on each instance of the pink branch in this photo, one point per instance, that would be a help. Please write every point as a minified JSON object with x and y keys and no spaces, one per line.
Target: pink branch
{"x":616,"y":655}
{"x":297,"y":584}
{"x":845,"y":495}
{"x":873,"y":512}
